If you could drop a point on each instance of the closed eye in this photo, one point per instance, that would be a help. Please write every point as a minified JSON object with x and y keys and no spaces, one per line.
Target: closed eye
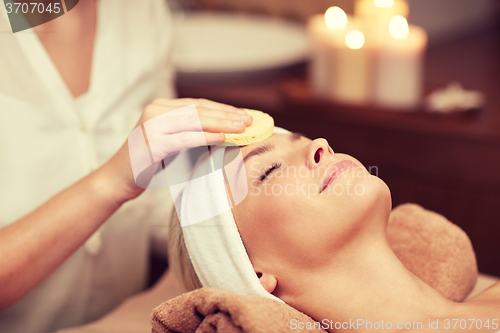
{"x":268,"y":171}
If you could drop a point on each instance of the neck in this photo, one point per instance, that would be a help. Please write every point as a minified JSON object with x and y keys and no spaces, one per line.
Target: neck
{"x":82,"y":13}
{"x":367,"y":283}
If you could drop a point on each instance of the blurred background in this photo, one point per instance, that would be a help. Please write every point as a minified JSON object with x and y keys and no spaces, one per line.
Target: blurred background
{"x":440,"y":151}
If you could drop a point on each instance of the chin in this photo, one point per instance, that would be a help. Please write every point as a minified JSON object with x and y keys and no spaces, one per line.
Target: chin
{"x":382,"y":194}
{"x":376,"y":200}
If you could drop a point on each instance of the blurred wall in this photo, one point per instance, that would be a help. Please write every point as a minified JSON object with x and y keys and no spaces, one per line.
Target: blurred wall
{"x":291,"y":9}
{"x":443,"y":19}
{"x":449,"y":19}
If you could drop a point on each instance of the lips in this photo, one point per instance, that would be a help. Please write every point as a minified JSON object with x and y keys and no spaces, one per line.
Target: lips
{"x":336,"y":170}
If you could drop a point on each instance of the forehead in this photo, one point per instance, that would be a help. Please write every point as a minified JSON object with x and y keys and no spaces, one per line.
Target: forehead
{"x":279,"y":140}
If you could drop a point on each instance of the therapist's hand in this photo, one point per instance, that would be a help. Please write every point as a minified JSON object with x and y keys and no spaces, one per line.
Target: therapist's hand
{"x":173,"y":134}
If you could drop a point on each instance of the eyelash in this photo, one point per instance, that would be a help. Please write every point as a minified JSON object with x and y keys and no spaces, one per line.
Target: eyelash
{"x":268,"y":170}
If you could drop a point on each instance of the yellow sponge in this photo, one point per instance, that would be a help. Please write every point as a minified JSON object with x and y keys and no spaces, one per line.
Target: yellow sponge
{"x":262,"y":128}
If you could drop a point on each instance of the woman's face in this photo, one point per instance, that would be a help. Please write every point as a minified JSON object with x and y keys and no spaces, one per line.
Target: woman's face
{"x":305,"y":202}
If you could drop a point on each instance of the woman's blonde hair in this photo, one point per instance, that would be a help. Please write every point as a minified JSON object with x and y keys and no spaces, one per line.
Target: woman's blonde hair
{"x":178,"y":257}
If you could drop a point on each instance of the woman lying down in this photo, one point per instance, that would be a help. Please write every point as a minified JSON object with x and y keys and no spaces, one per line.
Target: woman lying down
{"x":310,"y":232}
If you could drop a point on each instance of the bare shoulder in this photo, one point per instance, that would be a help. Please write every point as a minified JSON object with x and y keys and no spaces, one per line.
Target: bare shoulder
{"x":490,"y":296}
{"x":479,"y":314}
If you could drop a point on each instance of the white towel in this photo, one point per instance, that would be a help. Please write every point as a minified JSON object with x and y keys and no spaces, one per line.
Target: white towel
{"x":210,"y":233}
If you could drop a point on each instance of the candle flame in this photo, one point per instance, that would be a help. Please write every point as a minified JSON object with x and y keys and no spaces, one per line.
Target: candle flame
{"x":398,"y":27}
{"x":384,"y":3}
{"x":335,"y":18}
{"x":355,"y":39}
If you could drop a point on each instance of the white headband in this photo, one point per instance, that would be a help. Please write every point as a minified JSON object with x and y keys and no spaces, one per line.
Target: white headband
{"x":209,"y":229}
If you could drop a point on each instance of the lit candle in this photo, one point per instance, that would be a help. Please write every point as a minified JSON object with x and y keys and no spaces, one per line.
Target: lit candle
{"x":378,"y":13}
{"x":327,"y":33}
{"x":399,"y":72}
{"x":381,"y":8}
{"x":351,"y":82}
{"x":335,"y":19}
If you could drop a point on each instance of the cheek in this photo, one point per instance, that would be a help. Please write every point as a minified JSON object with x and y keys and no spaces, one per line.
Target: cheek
{"x":287,"y":222}
{"x":287,"y":202}
{"x":270,"y":217}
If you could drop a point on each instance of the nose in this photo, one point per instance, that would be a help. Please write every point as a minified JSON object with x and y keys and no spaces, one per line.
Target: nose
{"x":319,"y":152}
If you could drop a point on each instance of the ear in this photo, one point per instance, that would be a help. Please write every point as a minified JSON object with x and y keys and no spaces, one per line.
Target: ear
{"x":268,"y":281}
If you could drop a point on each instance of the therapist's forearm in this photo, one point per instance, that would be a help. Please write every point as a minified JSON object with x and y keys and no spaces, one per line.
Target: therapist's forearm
{"x":34,"y":246}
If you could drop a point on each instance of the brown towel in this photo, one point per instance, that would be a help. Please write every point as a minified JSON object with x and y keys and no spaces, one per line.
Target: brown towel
{"x":211,"y":310}
{"x":434,"y":249}
{"x":430,"y":246}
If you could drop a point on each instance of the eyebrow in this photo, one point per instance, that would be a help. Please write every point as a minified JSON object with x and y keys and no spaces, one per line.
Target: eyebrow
{"x":294,"y":136}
